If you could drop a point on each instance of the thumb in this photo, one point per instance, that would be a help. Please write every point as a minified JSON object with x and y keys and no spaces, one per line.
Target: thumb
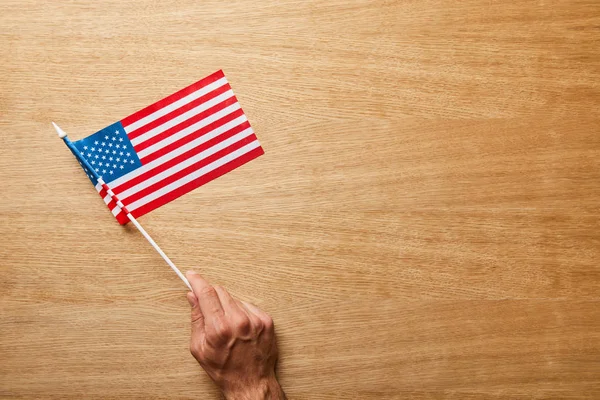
{"x":197,"y":316}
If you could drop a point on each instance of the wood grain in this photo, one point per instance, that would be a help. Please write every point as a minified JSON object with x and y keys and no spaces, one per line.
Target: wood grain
{"x":425,"y":222}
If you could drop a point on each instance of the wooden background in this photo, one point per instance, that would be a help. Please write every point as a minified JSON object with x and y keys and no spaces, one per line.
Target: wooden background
{"x":425,"y":222}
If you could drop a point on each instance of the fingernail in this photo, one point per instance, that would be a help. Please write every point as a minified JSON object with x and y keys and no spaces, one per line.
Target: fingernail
{"x":190,"y":272}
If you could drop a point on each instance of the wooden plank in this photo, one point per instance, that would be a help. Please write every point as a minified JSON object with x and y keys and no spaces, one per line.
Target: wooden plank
{"x":424,"y":223}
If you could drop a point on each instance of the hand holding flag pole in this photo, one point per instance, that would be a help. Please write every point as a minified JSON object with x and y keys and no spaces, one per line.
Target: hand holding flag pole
{"x":63,"y":135}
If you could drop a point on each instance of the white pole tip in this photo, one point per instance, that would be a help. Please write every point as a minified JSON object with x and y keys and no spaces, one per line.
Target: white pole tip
{"x":61,"y":134}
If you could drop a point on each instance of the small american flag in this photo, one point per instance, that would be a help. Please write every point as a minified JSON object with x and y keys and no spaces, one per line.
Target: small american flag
{"x":171,"y":147}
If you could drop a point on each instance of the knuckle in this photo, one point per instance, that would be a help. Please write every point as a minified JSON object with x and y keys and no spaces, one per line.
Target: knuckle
{"x":243,"y":324}
{"x":258,"y":324}
{"x":268,"y":323}
{"x":219,"y":333}
{"x":212,"y":337}
{"x":208,"y":291}
{"x":223,"y":329}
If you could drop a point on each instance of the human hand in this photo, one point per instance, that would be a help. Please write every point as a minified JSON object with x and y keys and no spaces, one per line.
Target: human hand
{"x":234,"y":342}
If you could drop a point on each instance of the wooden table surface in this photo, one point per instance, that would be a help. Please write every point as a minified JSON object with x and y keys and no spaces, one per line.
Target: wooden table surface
{"x":425,"y":222}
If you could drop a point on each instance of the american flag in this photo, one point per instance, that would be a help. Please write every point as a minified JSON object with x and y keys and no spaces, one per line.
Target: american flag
{"x":171,"y":147}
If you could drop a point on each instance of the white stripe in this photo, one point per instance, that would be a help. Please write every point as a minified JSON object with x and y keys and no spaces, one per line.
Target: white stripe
{"x":194,"y":175}
{"x":181,"y":118}
{"x":190,"y":129}
{"x":175,"y":105}
{"x":184,"y":164}
{"x":116,"y":209}
{"x":178,"y":151}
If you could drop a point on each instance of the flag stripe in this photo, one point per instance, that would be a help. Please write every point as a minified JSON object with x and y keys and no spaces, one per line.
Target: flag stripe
{"x":189,"y":142}
{"x":185,"y":129}
{"x":217,"y":172}
{"x":109,"y":202}
{"x":194,"y":175}
{"x":183,"y":117}
{"x":112,"y":206}
{"x":179,"y":111}
{"x":168,"y":171}
{"x":152,"y":112}
{"x":158,"y":182}
{"x":193,"y":139}
{"x":200,"y":151}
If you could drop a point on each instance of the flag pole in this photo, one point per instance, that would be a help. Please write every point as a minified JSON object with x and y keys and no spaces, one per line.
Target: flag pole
{"x":63,"y":135}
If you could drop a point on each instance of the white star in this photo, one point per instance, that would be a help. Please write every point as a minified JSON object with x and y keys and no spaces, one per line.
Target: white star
{"x":100,"y":163}
{"x":114,"y":152}
{"x":121,"y":167}
{"x":120,"y":153}
{"x":125,"y":160}
{"x":96,"y":143}
{"x":93,"y":162}
{"x":96,"y":169}
{"x":96,"y":156}
{"x":106,"y":137}
{"x":118,"y":159}
{"x":93,"y":149}
{"x":104,"y":157}
{"x":114,"y":137}
{"x":118,"y":145}
{"x":117,"y":131}
{"x":131,"y":161}
{"x":110,"y":158}
{"x":103,"y":171}
{"x":103,"y":144}
{"x":111,"y":172}
{"x":85,"y":147}
{"x":114,"y":165}
{"x":110,"y":145}
{"x":128,"y":154}
{"x":120,"y":139}
{"x":89,"y":154}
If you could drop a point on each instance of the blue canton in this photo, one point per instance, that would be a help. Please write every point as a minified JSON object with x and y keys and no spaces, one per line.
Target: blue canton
{"x":109,"y":152}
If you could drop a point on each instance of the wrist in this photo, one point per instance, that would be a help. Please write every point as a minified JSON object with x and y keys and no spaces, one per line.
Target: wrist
{"x":265,"y":389}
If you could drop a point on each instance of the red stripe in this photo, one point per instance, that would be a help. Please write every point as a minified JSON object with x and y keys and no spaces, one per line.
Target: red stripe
{"x":121,"y":217}
{"x":111,"y":204}
{"x":192,"y":136}
{"x":186,"y":107}
{"x":180,"y":158}
{"x":172,"y":98}
{"x":103,"y":192}
{"x":188,"y":122}
{"x":186,"y":171}
{"x":198,"y":182}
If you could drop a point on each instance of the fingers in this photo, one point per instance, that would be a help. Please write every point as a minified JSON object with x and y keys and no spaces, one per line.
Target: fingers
{"x":238,"y":318}
{"x":265,"y":319}
{"x":228,"y":303}
{"x":217,"y":316}
{"x":197,"y":316}
{"x":207,"y":296}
